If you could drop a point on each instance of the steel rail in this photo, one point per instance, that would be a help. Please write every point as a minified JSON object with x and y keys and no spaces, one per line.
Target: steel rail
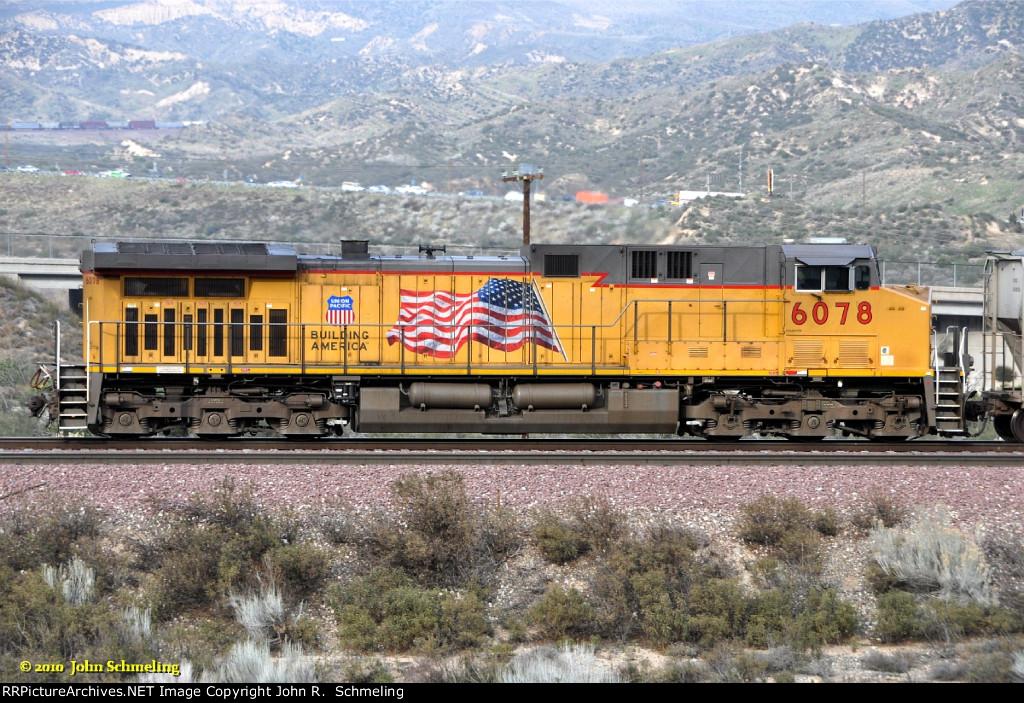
{"x":503,"y":451}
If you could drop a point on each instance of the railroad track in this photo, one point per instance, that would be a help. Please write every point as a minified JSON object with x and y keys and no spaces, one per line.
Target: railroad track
{"x":505,"y":450}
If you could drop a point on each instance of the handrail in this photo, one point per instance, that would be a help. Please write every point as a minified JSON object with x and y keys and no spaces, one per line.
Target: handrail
{"x":306,"y":360}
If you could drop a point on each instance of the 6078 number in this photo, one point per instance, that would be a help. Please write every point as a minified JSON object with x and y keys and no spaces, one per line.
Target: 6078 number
{"x":819,"y":313}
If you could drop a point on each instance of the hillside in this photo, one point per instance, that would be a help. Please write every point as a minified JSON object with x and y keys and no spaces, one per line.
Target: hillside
{"x":902,"y":112}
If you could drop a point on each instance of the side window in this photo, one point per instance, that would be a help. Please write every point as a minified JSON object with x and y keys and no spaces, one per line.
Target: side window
{"x":837,"y":278}
{"x":808,"y":278}
{"x":862,"y":277}
{"x":834,"y":279}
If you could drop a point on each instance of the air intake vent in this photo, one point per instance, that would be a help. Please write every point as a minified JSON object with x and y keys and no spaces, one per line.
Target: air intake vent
{"x":750,"y":352}
{"x":561,"y":265}
{"x":679,"y":265}
{"x":853,"y":353}
{"x":644,"y":264}
{"x":808,"y":353}
{"x":698,"y":352}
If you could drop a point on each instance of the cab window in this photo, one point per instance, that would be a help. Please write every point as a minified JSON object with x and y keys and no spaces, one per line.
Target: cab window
{"x":823,"y":278}
{"x":862,"y":277}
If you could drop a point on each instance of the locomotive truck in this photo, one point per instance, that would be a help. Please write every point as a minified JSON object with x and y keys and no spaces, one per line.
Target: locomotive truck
{"x":796,"y":341}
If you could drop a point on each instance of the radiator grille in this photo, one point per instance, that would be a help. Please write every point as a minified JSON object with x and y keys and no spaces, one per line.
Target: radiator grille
{"x":808,"y":352}
{"x":853,"y":353}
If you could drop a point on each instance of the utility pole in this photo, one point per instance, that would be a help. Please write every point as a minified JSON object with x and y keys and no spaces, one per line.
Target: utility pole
{"x":525,"y":174}
{"x":741,"y":170}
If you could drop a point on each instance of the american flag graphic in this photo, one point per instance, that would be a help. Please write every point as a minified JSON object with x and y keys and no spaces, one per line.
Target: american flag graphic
{"x":339,"y":310}
{"x":503,"y":314}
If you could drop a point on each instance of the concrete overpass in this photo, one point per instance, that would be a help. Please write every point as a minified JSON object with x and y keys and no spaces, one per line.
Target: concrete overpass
{"x":42,"y":273}
{"x":958,"y":306}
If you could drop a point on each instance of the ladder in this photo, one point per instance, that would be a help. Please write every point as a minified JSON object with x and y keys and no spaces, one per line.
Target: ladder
{"x":72,"y":386}
{"x":72,"y":398}
{"x":950,"y":376}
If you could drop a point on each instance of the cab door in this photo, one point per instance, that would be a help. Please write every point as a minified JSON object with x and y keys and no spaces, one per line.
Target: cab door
{"x":160,"y":341}
{"x":211,"y":340}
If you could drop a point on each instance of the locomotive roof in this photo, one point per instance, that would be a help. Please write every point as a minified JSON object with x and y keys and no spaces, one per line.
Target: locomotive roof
{"x":827,"y":254}
{"x":190,"y":256}
{"x":413,"y":262}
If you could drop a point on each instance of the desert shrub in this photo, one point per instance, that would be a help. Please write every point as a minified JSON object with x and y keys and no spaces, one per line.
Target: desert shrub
{"x":824,"y":619}
{"x":440,"y":534}
{"x":569,"y":663}
{"x":1017,"y":666}
{"x":1006,"y":555}
{"x":38,"y":624}
{"x":947,"y":671}
{"x":899,"y":617}
{"x":437,"y":537}
{"x":587,"y":525}
{"x":800,"y":548}
{"x":212,"y":547}
{"x":785,"y":523}
{"x":897,"y":663}
{"x":262,"y":614}
{"x":598,"y":521}
{"x":675,"y":672}
{"x":880,"y":507}
{"x":782,"y":616}
{"x":997,"y":662}
{"x":641,"y":585}
{"x":202,"y":640}
{"x":953,"y":621}
{"x":74,"y":581}
{"x":721,"y":663}
{"x":557,"y":539}
{"x":768,"y":519}
{"x":502,"y":534}
{"x":47,"y":533}
{"x":487,"y":668}
{"x":386,"y":610}
{"x":716,"y":611}
{"x":335,"y":524}
{"x":136,"y":624}
{"x":302,"y":568}
{"x":826,"y":522}
{"x":250,"y":662}
{"x":362,"y":670}
{"x":769,"y":614}
{"x":562,"y":613}
{"x":929,"y":556}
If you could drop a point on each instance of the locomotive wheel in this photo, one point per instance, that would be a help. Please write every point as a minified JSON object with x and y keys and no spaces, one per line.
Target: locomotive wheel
{"x":1017,"y":425}
{"x":1002,"y":424}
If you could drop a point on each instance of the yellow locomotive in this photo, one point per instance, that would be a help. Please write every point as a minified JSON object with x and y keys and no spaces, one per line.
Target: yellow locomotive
{"x":798,"y":341}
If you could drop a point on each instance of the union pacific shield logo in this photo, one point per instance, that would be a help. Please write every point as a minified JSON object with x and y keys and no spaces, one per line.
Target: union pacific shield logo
{"x":339,"y":310}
